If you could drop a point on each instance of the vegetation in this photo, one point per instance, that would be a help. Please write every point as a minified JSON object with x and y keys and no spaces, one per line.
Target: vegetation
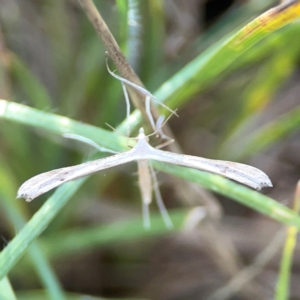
{"x":235,"y":88}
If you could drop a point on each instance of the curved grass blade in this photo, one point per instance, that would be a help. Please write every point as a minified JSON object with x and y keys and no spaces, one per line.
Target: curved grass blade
{"x":14,"y":216}
{"x":283,"y":284}
{"x":60,"y":125}
{"x":202,"y":71}
{"x":209,"y":64}
{"x":6,"y":291}
{"x":65,"y":242}
{"x":269,"y":134}
{"x":239,"y":193}
{"x":36,"y":225}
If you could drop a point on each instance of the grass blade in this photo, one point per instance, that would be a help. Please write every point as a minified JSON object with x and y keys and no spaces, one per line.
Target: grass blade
{"x":36,"y":225}
{"x":237,"y":192}
{"x":283,"y":284}
{"x":14,"y":216}
{"x":6,"y":291}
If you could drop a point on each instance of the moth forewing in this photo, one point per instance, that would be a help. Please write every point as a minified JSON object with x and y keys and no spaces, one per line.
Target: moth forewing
{"x":44,"y":182}
{"x":242,"y":173}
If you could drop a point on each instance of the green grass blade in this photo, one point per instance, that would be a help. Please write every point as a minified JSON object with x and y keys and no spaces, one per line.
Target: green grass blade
{"x":135,"y":27}
{"x":270,"y":46}
{"x":283,"y":284}
{"x":13,"y":213}
{"x":59,"y":29}
{"x":154,"y":36}
{"x":209,"y":64}
{"x":89,"y":67}
{"x":36,"y":225}
{"x":78,"y":240}
{"x":6,"y":291}
{"x":45,"y":272}
{"x":34,"y":89}
{"x":220,"y":59}
{"x":23,"y":114}
{"x":237,"y":192}
{"x":269,"y":134}
{"x":122,"y":7}
{"x":38,"y":295}
{"x":258,"y":94}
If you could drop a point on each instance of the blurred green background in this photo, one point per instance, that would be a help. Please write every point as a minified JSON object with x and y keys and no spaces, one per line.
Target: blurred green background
{"x":237,"y":98}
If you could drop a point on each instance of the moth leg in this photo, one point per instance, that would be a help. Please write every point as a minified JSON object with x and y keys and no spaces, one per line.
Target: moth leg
{"x":159,"y":200}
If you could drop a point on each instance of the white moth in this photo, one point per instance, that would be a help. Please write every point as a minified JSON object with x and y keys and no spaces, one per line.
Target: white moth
{"x":147,"y":182}
{"x":141,"y":153}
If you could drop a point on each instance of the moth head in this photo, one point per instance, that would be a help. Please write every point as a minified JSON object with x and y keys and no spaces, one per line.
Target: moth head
{"x":142,"y":135}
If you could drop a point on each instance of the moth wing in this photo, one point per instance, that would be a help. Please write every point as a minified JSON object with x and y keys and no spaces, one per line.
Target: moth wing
{"x":242,"y":173}
{"x":44,"y":182}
